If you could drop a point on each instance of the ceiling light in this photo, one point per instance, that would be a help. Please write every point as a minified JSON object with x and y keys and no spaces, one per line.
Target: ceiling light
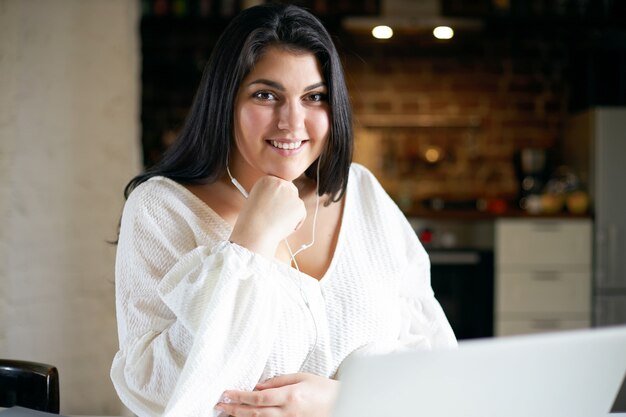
{"x":382,"y":32}
{"x":413,"y":17}
{"x":443,"y":32}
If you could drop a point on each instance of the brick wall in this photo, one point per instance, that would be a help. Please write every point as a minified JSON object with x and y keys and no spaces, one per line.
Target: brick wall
{"x":517,"y":95}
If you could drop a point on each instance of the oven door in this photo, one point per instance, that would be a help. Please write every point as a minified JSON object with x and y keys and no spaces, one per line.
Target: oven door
{"x":463,"y":283}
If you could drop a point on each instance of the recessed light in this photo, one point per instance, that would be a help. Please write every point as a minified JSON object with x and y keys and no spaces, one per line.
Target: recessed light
{"x":443,"y":32}
{"x":382,"y":32}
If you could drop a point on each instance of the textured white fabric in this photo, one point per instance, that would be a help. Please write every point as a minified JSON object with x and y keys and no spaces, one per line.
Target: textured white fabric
{"x":198,"y":315}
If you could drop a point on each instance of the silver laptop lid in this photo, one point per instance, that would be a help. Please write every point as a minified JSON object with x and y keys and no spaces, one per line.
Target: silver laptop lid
{"x":569,"y":374}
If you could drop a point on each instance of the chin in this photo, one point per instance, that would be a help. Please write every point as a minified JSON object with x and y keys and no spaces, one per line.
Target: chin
{"x":288,"y":174}
{"x":288,"y":177}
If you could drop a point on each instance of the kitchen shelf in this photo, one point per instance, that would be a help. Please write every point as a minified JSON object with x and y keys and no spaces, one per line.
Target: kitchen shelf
{"x":413,"y":155}
{"x":417,"y":121}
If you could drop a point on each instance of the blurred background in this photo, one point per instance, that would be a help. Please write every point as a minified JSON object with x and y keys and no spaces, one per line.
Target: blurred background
{"x":500,"y":135}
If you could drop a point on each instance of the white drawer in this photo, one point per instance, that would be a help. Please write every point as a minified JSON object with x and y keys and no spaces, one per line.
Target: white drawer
{"x":543,"y":242}
{"x":543,"y":291}
{"x":538,"y":325}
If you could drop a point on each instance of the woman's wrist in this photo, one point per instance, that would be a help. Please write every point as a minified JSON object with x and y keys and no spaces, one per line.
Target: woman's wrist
{"x":255,"y":242}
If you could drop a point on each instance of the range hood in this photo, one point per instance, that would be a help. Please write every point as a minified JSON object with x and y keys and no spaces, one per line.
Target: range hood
{"x":410,"y":16}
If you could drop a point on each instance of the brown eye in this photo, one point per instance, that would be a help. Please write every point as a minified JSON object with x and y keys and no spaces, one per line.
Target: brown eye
{"x":318,"y":97}
{"x":264,"y":96}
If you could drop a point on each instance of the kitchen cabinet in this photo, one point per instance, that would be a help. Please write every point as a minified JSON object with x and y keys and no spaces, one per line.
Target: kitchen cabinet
{"x":543,"y":271}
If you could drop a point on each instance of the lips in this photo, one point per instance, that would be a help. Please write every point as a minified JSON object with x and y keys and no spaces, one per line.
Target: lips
{"x":287,"y":145}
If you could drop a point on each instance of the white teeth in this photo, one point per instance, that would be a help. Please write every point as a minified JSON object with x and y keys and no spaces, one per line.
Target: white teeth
{"x":290,"y":145}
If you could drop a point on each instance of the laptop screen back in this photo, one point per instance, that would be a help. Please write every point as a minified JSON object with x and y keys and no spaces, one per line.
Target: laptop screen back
{"x":569,"y":374}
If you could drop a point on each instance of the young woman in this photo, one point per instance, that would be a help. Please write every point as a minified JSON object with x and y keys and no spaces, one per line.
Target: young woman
{"x":255,"y":257}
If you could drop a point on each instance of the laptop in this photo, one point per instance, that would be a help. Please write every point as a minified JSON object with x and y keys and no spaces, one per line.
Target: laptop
{"x":570,"y":374}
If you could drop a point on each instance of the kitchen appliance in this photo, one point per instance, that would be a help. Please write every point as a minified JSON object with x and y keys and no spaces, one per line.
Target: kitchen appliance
{"x":461,"y":271}
{"x":532,"y":168}
{"x":462,"y":280}
{"x":594,"y":146}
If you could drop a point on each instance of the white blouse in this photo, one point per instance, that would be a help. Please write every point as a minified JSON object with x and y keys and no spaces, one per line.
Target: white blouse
{"x":198,"y":315}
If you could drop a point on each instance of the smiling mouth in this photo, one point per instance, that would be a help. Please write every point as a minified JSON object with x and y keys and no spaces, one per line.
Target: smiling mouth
{"x":286,"y":145}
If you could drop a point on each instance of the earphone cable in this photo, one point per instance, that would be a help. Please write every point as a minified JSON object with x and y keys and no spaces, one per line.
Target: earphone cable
{"x":243,"y":192}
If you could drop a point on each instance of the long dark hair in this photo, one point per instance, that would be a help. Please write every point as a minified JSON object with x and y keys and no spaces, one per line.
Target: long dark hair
{"x":200,"y":153}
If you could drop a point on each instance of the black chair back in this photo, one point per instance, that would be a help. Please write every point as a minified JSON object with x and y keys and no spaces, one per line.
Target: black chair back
{"x":29,"y":385}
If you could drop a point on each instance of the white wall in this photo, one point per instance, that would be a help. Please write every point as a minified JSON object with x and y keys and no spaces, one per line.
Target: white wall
{"x":69,"y":141}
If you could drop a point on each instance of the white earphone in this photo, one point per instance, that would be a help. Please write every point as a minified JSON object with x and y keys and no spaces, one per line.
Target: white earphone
{"x":237,"y":184}
{"x":243,"y":192}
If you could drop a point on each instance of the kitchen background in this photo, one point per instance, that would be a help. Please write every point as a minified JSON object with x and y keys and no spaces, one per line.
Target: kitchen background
{"x":502,"y":145}
{"x":466,"y":134}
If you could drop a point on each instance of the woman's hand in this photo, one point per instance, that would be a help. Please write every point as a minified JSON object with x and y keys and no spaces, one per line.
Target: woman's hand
{"x":272,"y":212}
{"x":302,"y":395}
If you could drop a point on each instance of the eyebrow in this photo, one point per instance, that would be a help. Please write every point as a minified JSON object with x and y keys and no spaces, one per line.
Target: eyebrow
{"x":280,"y":87}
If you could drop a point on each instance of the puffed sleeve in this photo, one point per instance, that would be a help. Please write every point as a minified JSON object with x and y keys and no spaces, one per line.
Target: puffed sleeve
{"x":193,"y":320}
{"x":424,"y":323}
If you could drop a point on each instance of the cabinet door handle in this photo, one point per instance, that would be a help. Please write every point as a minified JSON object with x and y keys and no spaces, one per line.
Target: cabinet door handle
{"x":546,"y":275}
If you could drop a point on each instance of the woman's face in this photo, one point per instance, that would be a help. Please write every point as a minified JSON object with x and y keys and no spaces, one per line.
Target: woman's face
{"x":281,"y":116}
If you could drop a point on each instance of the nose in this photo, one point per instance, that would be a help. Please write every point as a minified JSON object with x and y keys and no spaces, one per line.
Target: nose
{"x":291,"y":116}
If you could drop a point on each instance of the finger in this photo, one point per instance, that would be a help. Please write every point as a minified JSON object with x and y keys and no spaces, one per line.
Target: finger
{"x":280,"y":381}
{"x":265,"y":398}
{"x":243,"y":410}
